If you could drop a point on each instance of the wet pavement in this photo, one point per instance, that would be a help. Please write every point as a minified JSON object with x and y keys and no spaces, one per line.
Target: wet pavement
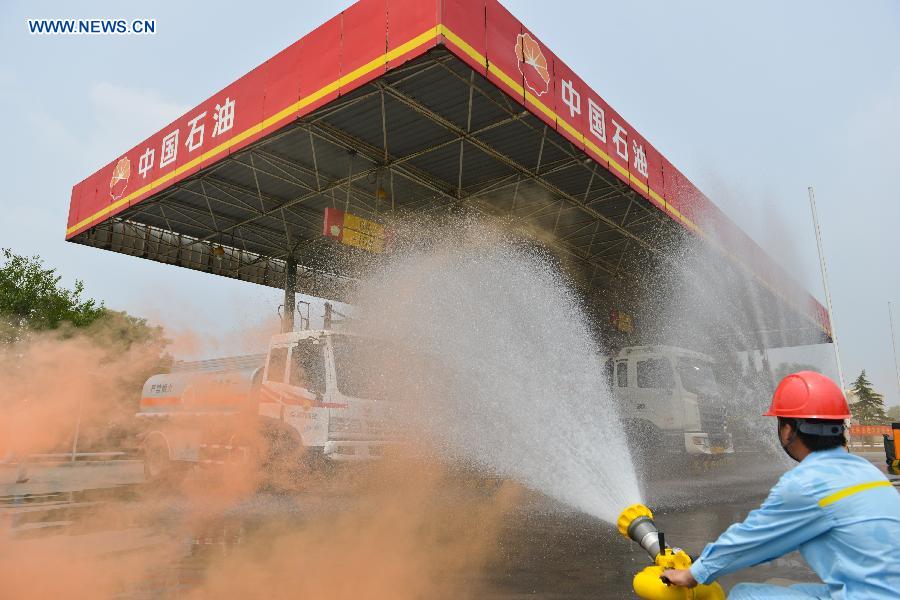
{"x":538,"y":549}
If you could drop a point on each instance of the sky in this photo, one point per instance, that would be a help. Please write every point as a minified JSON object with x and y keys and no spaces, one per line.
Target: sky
{"x":754,"y":101}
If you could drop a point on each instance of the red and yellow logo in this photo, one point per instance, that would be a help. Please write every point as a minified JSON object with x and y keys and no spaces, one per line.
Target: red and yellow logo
{"x":532,"y":64}
{"x":119,"y":180}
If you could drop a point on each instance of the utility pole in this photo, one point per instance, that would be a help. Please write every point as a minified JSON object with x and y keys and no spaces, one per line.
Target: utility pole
{"x":894,"y":343}
{"x":834,"y":339}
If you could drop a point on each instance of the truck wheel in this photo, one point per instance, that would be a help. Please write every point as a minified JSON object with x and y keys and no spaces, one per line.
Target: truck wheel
{"x":157,"y":464}
{"x":311,"y":460}
{"x":271,"y":457}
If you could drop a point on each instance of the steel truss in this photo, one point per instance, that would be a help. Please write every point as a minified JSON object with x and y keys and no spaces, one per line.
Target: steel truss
{"x":247,"y":215}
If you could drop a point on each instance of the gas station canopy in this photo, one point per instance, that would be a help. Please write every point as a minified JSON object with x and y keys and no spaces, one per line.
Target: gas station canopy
{"x":417,"y":107}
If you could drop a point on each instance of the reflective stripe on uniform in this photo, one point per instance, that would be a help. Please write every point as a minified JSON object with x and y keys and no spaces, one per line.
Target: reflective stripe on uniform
{"x":853,"y":489}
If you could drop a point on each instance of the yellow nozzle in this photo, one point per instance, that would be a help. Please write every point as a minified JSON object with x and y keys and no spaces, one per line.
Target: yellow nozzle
{"x":648,"y":583}
{"x":630,"y":514}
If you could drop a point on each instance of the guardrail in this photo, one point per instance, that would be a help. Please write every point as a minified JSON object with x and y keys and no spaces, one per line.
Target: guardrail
{"x":78,"y":455}
{"x":45,"y":457}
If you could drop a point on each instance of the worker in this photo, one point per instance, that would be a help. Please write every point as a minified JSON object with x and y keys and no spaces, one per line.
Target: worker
{"x":838,"y":509}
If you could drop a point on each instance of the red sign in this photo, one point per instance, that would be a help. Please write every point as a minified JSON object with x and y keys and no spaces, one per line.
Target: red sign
{"x":373,"y":36}
{"x":516,"y":61}
{"x":332,"y":60}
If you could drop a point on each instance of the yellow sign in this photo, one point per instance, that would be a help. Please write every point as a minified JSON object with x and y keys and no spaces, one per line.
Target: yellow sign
{"x":352,"y":230}
{"x":625,"y":324}
{"x":361,"y":240}
{"x":364,"y":226}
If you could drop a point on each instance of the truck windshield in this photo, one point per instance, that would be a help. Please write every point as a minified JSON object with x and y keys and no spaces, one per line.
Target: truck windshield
{"x":697,"y":376}
{"x":360,"y":365}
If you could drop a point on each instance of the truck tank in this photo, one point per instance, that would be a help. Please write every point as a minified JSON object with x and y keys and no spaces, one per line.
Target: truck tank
{"x":215,"y":385}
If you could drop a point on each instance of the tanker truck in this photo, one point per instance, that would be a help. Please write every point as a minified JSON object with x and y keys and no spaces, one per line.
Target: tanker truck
{"x":306,"y":402}
{"x":669,"y":400}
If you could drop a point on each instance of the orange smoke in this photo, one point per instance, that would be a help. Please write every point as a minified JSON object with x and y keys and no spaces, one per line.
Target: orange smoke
{"x":53,"y":382}
{"x":413,"y":531}
{"x":399,"y":528}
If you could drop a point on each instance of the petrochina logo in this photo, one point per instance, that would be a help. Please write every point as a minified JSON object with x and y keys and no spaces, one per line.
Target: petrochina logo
{"x":119,"y":180}
{"x":532,"y":64}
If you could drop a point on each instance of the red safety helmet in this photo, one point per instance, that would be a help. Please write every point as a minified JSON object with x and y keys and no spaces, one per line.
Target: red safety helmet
{"x":808,"y":395}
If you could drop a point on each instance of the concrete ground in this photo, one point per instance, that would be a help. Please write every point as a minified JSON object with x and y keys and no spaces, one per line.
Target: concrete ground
{"x":543,"y":550}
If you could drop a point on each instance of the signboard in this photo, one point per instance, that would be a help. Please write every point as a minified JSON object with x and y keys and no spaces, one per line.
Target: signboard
{"x":859,"y":430}
{"x":334,"y":59}
{"x":352,"y":230}
{"x":622,"y":321}
{"x":491,"y":40}
{"x":373,"y":36}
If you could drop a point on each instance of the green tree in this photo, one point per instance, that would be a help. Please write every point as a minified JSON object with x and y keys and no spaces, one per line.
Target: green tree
{"x":36,"y":310}
{"x":868,"y":407}
{"x":32,"y":299}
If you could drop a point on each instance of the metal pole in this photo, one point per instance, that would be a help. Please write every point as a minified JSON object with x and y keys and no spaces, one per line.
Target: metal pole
{"x":834,"y":339}
{"x":894,"y":343}
{"x":77,"y":432}
{"x":290,"y":282}
{"x":327,"y":319}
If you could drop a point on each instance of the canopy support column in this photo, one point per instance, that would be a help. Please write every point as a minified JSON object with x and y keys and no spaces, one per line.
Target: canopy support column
{"x":290,"y":282}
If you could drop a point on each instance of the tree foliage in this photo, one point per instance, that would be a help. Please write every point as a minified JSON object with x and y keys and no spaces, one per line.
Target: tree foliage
{"x":32,"y":299}
{"x":868,"y":407}
{"x":42,"y":322}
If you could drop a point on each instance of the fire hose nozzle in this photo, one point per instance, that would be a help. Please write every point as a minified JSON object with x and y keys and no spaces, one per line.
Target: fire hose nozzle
{"x":636,"y":523}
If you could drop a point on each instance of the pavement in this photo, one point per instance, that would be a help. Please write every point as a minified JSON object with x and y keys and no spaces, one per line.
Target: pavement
{"x":104,"y":511}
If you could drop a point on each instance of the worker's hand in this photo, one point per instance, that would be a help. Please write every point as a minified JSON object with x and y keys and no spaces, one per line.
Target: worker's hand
{"x":680,"y":577}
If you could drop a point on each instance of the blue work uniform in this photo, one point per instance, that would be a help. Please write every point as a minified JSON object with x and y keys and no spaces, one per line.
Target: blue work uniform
{"x":840,"y":512}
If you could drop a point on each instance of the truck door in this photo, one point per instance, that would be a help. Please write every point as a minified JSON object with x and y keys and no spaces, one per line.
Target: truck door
{"x":273,"y":379}
{"x":654,"y":392}
{"x":630,"y":404}
{"x":307,"y":372}
{"x":307,"y":381}
{"x":609,"y":367}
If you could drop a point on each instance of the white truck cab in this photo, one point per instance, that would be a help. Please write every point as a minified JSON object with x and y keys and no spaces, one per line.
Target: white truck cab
{"x":310,"y":393}
{"x":670,"y":397}
{"x":317,"y":382}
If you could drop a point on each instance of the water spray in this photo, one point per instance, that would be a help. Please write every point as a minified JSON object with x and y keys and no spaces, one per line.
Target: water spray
{"x":636,"y":523}
{"x":503,"y":370}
